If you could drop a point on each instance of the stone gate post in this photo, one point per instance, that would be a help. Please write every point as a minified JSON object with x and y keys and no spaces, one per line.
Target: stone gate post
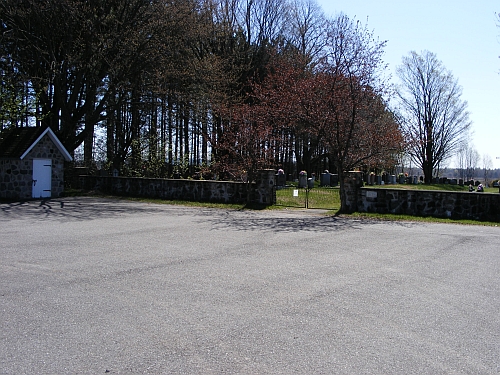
{"x":265,"y":193}
{"x":353,"y":182}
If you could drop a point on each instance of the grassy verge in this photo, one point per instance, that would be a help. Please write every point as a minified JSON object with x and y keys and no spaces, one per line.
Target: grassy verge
{"x":422,"y":219}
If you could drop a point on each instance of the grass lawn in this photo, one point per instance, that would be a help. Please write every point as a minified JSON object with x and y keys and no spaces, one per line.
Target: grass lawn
{"x":319,"y":197}
{"x":445,"y":187}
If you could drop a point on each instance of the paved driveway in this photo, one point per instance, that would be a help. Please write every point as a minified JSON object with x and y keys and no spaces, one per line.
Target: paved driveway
{"x":95,"y":286}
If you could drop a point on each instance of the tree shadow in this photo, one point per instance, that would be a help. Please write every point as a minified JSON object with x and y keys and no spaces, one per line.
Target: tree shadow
{"x":93,"y":208}
{"x":289,"y":222}
{"x":75,"y":209}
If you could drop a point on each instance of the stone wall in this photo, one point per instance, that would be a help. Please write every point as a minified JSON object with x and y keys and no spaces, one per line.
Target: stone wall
{"x":16,"y":176}
{"x":16,"y":179}
{"x":191,"y":190}
{"x":444,"y":204}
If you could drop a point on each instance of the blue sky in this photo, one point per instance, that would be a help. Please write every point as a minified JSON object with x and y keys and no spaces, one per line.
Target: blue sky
{"x":464,"y":36}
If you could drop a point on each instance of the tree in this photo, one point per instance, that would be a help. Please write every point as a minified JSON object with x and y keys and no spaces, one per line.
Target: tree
{"x":336,"y":106}
{"x":307,"y":25}
{"x":487,"y":165}
{"x":471,"y":162}
{"x":73,"y":52}
{"x":190,"y":83}
{"x":17,"y":100}
{"x":435,"y":119}
{"x":354,"y":120}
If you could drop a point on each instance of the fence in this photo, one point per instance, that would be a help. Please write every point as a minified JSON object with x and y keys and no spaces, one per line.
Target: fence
{"x":317,"y":197}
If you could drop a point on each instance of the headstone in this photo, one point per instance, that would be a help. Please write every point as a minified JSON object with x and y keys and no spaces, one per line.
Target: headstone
{"x":310,"y":183}
{"x":302,"y":180}
{"x":280,"y":180}
{"x":334,"y":179}
{"x":325,"y":179}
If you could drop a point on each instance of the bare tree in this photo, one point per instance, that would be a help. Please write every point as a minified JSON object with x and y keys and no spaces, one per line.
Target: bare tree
{"x":460,"y":158}
{"x":307,"y":28}
{"x":471,"y":162}
{"x":487,"y":165}
{"x":435,"y":117}
{"x":263,"y":20}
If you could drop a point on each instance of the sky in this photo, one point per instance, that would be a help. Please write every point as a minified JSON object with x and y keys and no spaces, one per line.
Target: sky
{"x":462,"y":33}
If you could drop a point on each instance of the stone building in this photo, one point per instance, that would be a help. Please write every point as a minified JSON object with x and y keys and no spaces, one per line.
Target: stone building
{"x":31,"y":163}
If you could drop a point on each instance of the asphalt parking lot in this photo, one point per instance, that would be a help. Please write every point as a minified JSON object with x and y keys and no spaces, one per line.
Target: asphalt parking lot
{"x":95,"y":286}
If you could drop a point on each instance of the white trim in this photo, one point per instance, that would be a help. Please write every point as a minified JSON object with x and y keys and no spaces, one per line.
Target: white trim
{"x":54,"y":139}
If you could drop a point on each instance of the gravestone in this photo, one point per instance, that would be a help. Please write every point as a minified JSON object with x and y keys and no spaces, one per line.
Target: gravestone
{"x":334,"y":179}
{"x":302,"y":180}
{"x":280,"y":180}
{"x":325,"y":179}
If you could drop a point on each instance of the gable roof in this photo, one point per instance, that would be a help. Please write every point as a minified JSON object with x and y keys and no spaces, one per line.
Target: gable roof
{"x":16,"y":143}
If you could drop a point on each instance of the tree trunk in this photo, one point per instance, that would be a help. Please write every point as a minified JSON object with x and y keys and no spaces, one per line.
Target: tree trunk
{"x":88,"y":144}
{"x":135,"y":130}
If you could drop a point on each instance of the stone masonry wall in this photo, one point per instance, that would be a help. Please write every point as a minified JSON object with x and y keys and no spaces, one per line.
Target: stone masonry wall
{"x":16,"y":176}
{"x":444,"y":204}
{"x":190,"y":190}
{"x":16,"y":179}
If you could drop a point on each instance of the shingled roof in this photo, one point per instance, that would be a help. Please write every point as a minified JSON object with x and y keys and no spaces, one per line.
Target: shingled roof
{"x":16,"y":143}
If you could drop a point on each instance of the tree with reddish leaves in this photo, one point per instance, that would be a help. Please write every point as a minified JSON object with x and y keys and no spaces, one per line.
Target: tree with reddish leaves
{"x":339,"y":103}
{"x":244,"y":143}
{"x":355,"y":122}
{"x":335,"y":107}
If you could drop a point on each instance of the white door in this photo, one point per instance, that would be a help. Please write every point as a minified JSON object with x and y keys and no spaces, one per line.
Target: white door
{"x":42,"y":178}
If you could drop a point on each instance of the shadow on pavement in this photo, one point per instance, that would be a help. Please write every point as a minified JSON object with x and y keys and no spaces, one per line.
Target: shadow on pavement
{"x":92,"y":208}
{"x":281,"y":221}
{"x":74,"y":208}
